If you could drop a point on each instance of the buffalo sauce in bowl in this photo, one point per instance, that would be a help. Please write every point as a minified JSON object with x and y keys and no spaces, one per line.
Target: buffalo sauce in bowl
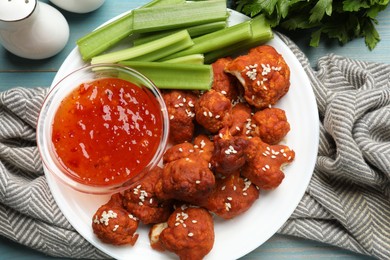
{"x":106,"y":131}
{"x":101,"y":129}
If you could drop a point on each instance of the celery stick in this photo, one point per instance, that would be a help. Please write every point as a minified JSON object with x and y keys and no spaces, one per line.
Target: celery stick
{"x":189,"y":59}
{"x":194,"y":31}
{"x":216,"y":40}
{"x":163,"y":50}
{"x":262,"y":33}
{"x":178,"y":16}
{"x":159,"y":48}
{"x":110,"y":34}
{"x":163,"y":2}
{"x":175,"y":76}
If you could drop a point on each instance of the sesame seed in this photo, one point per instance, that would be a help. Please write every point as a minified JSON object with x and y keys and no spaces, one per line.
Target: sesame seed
{"x":190,"y":234}
{"x":115,"y":228}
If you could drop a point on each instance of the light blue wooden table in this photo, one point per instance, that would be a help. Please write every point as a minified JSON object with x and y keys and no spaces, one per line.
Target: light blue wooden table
{"x":15,"y":71}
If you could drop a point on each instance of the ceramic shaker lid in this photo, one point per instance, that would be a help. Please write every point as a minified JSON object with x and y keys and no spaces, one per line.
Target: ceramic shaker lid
{"x":15,"y":10}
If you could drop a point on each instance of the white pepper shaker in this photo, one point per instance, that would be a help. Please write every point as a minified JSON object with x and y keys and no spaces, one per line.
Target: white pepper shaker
{"x":78,"y":6}
{"x":32,"y":29}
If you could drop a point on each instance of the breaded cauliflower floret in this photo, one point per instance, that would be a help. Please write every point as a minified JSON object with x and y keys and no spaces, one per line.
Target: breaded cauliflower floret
{"x":213,"y":111}
{"x":112,"y":224}
{"x":181,"y":111}
{"x":265,"y":163}
{"x":140,"y":200}
{"x":232,"y":196}
{"x":223,"y":82}
{"x":241,"y":114}
{"x":271,"y":125}
{"x":187,"y":179}
{"x":189,"y":233}
{"x":264,"y":75}
{"x":228,"y":155}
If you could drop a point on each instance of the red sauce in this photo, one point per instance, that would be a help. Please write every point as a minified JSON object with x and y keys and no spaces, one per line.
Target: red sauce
{"x":106,"y":131}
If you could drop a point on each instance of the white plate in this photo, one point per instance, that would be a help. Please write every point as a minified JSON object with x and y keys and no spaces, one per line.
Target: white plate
{"x":239,"y":236}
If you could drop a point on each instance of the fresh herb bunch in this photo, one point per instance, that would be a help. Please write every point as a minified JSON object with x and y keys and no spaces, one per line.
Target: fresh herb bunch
{"x":343,"y":20}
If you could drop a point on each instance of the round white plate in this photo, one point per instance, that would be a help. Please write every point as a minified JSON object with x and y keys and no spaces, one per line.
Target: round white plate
{"x":239,"y":236}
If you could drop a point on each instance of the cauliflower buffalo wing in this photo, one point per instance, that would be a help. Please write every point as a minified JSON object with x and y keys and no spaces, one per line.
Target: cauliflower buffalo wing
{"x":232,"y":196}
{"x":241,"y":115}
{"x":228,"y":155}
{"x":265,"y":162}
{"x":264,"y":75}
{"x":187,"y":179}
{"x":179,"y":151}
{"x":181,"y":111}
{"x":141,"y":201}
{"x":224,"y":83}
{"x":213,"y":111}
{"x":189,"y":233}
{"x":113,"y":224}
{"x":271,"y":125}
{"x":204,"y":147}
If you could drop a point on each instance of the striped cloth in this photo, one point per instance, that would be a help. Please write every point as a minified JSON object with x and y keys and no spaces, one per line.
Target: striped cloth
{"x":347,"y":203}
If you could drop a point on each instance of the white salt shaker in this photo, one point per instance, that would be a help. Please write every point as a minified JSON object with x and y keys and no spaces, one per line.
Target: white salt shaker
{"x":32,"y":29}
{"x":78,"y":6}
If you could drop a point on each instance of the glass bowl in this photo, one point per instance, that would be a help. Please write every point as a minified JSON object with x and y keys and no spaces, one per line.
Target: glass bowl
{"x":102,"y":128}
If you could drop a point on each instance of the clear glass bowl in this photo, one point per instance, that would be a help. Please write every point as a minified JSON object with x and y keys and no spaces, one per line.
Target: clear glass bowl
{"x":53,"y":165}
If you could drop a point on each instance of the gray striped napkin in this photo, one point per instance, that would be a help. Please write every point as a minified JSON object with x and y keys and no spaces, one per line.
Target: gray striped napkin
{"x":347,"y":203}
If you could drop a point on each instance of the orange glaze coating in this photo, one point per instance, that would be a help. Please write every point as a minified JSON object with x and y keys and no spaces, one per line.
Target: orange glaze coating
{"x":103,"y":135}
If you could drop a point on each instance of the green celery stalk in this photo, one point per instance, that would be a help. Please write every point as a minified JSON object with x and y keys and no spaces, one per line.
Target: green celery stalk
{"x":178,"y":16}
{"x":217,"y":40}
{"x":163,"y":2}
{"x":149,"y":51}
{"x":189,"y":59}
{"x":194,"y":31}
{"x":175,"y":76}
{"x":110,"y":34}
{"x":261,"y":33}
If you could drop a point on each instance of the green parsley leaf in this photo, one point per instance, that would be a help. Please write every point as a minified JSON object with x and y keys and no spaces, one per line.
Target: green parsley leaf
{"x":343,"y":20}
